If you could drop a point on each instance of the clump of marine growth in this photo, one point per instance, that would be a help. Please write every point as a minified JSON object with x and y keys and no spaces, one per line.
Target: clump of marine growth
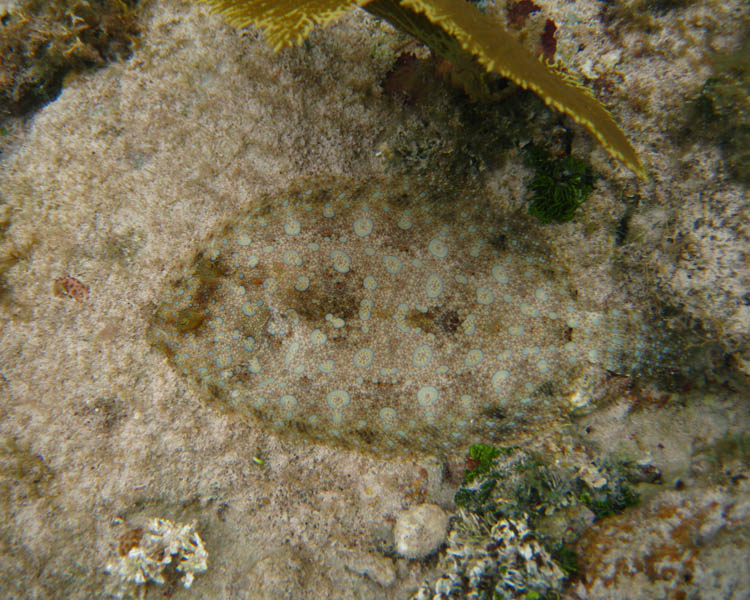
{"x":500,"y":561}
{"x":166,"y":552}
{"x":386,"y":316}
{"x":42,"y":41}
{"x":518,"y":517}
{"x":559,"y":186}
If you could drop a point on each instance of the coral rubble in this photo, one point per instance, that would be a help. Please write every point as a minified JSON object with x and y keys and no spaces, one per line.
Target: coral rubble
{"x":503,"y":561}
{"x":147,"y":556}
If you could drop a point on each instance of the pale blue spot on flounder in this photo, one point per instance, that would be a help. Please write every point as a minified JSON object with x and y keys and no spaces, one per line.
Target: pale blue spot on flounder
{"x":485,"y":296}
{"x":365,"y":308}
{"x":499,"y":378}
{"x":470,"y":324}
{"x":249,"y":309}
{"x":288,"y":401}
{"x":336,"y":322}
{"x":290,"y":353}
{"x":405,"y":222}
{"x":363,"y":358}
{"x":500,"y":274}
{"x":391,"y":316}
{"x":392,"y":264}
{"x":292,"y":227}
{"x":341,"y":261}
{"x":473,"y":357}
{"x":427,"y":395}
{"x":292,"y":258}
{"x":317,"y":337}
{"x":363,"y":226}
{"x":433,"y":286}
{"x":422,"y":356}
{"x":338,"y":399}
{"x":388,"y":415}
{"x":438,"y":248}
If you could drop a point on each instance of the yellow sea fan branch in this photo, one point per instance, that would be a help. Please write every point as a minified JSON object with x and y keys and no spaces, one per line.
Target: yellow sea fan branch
{"x":498,"y":51}
{"x":285,"y":22}
{"x":457,"y":31}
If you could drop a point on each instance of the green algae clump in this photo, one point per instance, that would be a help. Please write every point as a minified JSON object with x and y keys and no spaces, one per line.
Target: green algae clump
{"x":383,"y":315}
{"x":559,"y":186}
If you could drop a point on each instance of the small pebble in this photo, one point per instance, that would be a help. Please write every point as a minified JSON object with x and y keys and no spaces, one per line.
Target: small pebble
{"x":420,"y":530}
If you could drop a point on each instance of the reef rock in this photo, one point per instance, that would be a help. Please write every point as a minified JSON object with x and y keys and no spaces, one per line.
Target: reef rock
{"x":678,"y":546}
{"x":420,"y":530}
{"x":384,"y":315}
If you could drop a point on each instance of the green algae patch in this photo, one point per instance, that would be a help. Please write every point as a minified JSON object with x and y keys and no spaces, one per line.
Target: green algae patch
{"x":559,"y":186}
{"x":383,"y":315}
{"x":517,"y":483}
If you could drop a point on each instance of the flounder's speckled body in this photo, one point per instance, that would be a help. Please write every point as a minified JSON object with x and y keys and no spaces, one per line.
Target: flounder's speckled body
{"x":374,"y":316}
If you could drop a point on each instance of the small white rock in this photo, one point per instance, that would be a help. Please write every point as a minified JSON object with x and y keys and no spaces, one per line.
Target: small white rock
{"x":420,"y":530}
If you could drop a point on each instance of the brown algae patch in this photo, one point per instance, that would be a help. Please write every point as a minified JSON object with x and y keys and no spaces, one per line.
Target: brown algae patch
{"x":384,"y":316}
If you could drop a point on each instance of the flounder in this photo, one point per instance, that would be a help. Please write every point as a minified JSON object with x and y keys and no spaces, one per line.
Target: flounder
{"x":383,"y":315}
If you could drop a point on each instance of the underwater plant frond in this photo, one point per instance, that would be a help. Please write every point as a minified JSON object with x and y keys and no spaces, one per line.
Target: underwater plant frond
{"x":498,"y":51}
{"x":285,"y":22}
{"x":459,"y":32}
{"x":466,"y":73}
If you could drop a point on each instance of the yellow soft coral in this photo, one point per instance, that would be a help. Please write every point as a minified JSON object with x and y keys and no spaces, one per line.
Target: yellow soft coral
{"x":285,"y":22}
{"x":455,"y":30}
